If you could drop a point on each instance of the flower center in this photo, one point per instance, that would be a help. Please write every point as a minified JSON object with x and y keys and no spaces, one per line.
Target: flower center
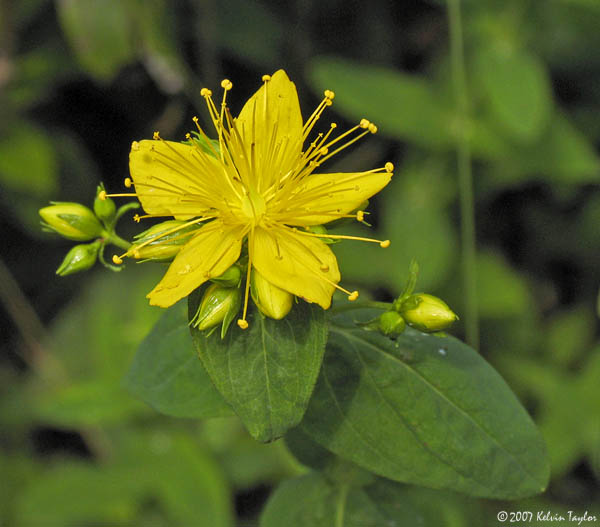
{"x":254,"y":207}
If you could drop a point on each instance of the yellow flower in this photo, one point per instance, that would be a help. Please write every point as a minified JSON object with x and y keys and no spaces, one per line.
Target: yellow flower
{"x":260,"y":186}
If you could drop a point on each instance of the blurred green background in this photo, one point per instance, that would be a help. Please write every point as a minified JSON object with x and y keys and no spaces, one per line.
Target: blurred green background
{"x":81,"y":79}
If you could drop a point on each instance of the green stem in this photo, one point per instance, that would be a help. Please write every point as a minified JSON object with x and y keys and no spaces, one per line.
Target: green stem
{"x":465,"y":177}
{"x":115,"y":239}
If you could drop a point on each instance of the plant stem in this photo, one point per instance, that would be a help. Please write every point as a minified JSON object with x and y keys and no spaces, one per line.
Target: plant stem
{"x":465,"y":177}
{"x":115,"y":239}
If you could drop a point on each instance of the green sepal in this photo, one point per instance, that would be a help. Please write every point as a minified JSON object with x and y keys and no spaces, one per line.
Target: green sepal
{"x":210,"y":146}
{"x":411,"y":282}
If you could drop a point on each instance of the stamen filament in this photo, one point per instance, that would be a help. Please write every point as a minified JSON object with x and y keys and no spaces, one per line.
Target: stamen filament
{"x":383,"y":243}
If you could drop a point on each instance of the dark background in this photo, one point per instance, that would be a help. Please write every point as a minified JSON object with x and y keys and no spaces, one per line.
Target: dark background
{"x":79,"y":80}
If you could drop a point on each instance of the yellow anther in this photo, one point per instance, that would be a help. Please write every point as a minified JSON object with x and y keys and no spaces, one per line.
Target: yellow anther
{"x":360,"y":215}
{"x":188,"y":136}
{"x":117,"y":260}
{"x":128,"y":182}
{"x":385,"y":244}
{"x":204,"y":92}
{"x":324,"y":268}
{"x":329,"y":94}
{"x":135,"y":145}
{"x":328,"y":102}
{"x":266,"y":78}
{"x":137,"y":218}
{"x":195,"y":119}
{"x":333,"y":125}
{"x":389,"y":167}
{"x":102,"y":195}
{"x":156,"y":136}
{"x":364,"y":123}
{"x":242,"y":323}
{"x":353,"y":296}
{"x":226,"y":84}
{"x":372,"y":128}
{"x":324,"y":151}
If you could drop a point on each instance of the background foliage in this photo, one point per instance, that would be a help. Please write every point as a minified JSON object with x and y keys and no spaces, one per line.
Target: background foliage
{"x":80,"y":81}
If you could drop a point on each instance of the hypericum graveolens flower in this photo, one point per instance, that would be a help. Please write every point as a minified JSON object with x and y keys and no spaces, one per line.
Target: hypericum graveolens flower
{"x":259,"y":185}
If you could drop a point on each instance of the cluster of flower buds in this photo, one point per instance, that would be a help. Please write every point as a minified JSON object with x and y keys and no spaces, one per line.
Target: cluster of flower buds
{"x":80,"y":223}
{"x":222,"y":299}
{"x":421,"y":311}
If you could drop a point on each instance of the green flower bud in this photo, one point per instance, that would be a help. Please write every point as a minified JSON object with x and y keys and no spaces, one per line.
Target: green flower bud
{"x":391,"y":324}
{"x":162,"y":242}
{"x":272,"y":301}
{"x":105,"y":208}
{"x":427,"y":313}
{"x":230,"y":278}
{"x":79,"y":258}
{"x":219,"y":305}
{"x":71,"y":220}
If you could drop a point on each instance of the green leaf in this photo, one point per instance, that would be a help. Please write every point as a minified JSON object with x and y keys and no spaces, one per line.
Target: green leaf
{"x":517,"y":89}
{"x":315,"y":501}
{"x":168,"y":472}
{"x":502,"y":291}
{"x":28,"y":162}
{"x":74,"y":493}
{"x":100,"y":35}
{"x":305,"y":450}
{"x":156,"y":23}
{"x":88,"y":403}
{"x":424,"y":410}
{"x":562,"y":154}
{"x":167,"y":374}
{"x":180,"y":473}
{"x":260,"y":41}
{"x":266,"y":372}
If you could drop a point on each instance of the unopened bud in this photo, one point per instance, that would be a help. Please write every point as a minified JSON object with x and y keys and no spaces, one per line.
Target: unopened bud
{"x":162,"y":242}
{"x":79,"y":258}
{"x":391,"y":324}
{"x":271,"y":300}
{"x":105,"y":208}
{"x":71,"y":220}
{"x":219,"y":304}
{"x":427,"y":313}
{"x":230,"y":278}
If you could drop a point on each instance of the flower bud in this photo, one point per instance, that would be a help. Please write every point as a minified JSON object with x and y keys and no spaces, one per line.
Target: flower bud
{"x":230,"y":278}
{"x":272,"y":301}
{"x":79,"y":258}
{"x":71,"y":220}
{"x":153,"y":244}
{"x":427,"y":313}
{"x":105,"y":208}
{"x":219,"y":304}
{"x":391,"y":324}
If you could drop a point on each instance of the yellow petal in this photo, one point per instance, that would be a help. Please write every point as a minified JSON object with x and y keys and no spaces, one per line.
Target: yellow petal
{"x":295,"y":263}
{"x":175,"y":179}
{"x":209,"y":253}
{"x":322,"y":198}
{"x":270,"y":120}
